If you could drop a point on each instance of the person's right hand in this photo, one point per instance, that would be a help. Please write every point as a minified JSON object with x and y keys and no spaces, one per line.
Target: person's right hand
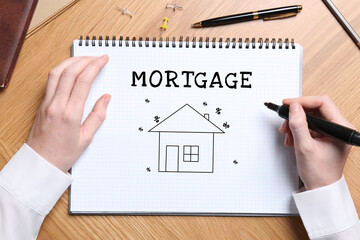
{"x":320,"y":159}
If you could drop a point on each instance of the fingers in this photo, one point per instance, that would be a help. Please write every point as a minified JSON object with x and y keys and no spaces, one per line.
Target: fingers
{"x":285,"y":127}
{"x":83,"y":82}
{"x":299,"y":127}
{"x":289,"y":141}
{"x":94,"y":120}
{"x":324,"y":104}
{"x":54,"y":77}
{"x":68,"y":77}
{"x":315,"y":134}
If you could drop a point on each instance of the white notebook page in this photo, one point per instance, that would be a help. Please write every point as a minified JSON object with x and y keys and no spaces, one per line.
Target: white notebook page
{"x":158,"y":153}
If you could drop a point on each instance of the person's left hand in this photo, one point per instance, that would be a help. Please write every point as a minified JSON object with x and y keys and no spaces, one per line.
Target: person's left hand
{"x":57,"y":134}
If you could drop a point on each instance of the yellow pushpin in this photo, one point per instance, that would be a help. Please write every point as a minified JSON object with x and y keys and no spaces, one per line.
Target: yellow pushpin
{"x":164,"y":25}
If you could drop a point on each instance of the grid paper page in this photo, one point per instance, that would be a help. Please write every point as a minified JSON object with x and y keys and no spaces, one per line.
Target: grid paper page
{"x":175,"y":147}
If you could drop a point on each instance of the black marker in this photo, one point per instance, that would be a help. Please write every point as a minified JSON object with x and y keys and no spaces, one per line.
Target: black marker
{"x":344,"y":134}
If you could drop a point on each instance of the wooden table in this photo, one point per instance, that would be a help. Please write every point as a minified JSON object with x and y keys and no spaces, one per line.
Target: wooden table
{"x":331,"y":66}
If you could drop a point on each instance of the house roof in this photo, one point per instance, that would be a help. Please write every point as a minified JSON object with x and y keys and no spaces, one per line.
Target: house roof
{"x":186,"y":119}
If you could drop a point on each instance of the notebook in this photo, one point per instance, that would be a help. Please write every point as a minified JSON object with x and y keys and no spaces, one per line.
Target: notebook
{"x":187,"y":132}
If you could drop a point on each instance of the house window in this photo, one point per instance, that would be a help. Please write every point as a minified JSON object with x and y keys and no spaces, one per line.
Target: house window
{"x":191,"y":153}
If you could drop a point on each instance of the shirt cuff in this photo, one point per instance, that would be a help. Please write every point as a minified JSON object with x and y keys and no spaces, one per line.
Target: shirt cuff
{"x":326,"y":210}
{"x":34,"y":181}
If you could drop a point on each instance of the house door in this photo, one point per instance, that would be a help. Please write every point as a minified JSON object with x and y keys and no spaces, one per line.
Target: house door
{"x":172,"y":158}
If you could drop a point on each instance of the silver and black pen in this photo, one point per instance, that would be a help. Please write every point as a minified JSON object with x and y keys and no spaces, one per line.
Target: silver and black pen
{"x":347,"y":27}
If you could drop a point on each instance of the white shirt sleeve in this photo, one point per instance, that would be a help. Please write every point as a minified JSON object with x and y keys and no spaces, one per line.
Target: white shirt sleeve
{"x":29,"y":188}
{"x":329,"y":212}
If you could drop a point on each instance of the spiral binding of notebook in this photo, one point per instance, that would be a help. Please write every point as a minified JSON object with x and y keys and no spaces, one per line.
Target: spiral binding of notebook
{"x":260,"y":43}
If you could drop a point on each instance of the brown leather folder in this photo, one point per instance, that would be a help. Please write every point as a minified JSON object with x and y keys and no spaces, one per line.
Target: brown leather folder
{"x":15,"y":17}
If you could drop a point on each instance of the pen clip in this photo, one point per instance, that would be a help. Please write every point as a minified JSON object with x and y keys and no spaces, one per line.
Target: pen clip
{"x":286,"y":15}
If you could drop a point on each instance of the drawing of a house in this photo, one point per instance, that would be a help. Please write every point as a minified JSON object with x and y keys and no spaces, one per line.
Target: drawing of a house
{"x":186,"y":142}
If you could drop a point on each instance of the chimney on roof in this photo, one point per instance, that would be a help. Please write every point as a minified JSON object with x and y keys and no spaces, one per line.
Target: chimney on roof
{"x":207,"y":116}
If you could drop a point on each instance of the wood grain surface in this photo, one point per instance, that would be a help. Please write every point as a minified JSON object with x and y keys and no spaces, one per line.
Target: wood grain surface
{"x":331,"y":66}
